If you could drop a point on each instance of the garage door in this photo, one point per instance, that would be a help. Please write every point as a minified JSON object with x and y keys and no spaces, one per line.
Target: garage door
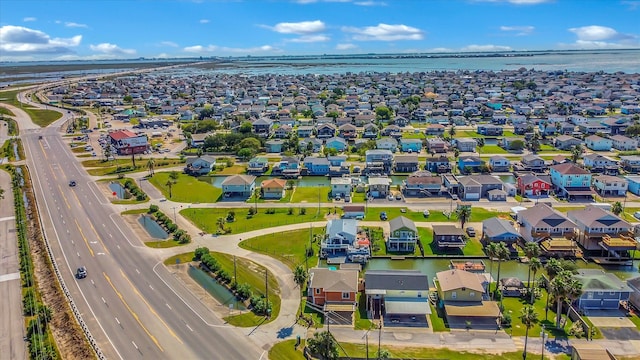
{"x":472,"y":196}
{"x":407,"y":307}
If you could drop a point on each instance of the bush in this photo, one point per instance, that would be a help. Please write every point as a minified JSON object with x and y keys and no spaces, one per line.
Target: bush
{"x":290,"y":211}
{"x":252,"y":211}
{"x":243,"y":291}
{"x":153,"y":209}
{"x":259,"y":305}
{"x":302,"y":211}
{"x":200,"y":252}
{"x":506,"y":320}
{"x":224,"y":276}
{"x":576,"y":330}
{"x":270,"y":211}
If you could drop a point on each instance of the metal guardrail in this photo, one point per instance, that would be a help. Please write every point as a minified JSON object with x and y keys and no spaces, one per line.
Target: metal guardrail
{"x":67,"y":294}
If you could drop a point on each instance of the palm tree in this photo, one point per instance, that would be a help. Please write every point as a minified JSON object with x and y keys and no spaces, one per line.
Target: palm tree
{"x":174,"y":175}
{"x":574,"y":290}
{"x":559,"y":290}
{"x":502,"y":254}
{"x":452,"y":131}
{"x":534,"y":265}
{"x":616,"y":208}
{"x":531,"y":250}
{"x":150,"y":165}
{"x":300,"y":275}
{"x":169,"y":185}
{"x":553,"y":267}
{"x":464,"y":214}
{"x":576,"y":153}
{"x":491,"y":249}
{"x":529,"y":318}
{"x":480,"y":144}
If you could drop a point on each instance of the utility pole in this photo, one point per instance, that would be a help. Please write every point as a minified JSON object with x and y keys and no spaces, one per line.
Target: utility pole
{"x":266,"y":286}
{"x":379,"y":338}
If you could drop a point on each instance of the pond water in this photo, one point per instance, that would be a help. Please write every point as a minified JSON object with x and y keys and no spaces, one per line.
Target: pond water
{"x":121,"y":192}
{"x":153,"y":228}
{"x":306,"y":181}
{"x":508,"y":268}
{"x":219,"y":292}
{"x":16,"y":153}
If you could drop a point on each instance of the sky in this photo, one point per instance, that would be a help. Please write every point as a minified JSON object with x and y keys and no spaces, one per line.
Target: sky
{"x":125,"y":29}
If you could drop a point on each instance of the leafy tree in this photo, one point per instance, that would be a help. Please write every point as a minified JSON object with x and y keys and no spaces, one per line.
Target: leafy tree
{"x":616,"y":208}
{"x":250,"y":142}
{"x":516,"y":145}
{"x":324,"y":345}
{"x":214,"y":142}
{"x":246,"y":153}
{"x":463,"y":213}
{"x":245,"y":128}
{"x":243,"y":291}
{"x":199,"y":252}
{"x":383,"y":113}
{"x":300,"y":275}
{"x":529,"y":318}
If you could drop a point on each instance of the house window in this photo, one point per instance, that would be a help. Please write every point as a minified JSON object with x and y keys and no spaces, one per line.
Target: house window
{"x":472,"y":294}
{"x":317,"y":290}
{"x":419,"y":294}
{"x":454,"y":295}
{"x":612,"y":292}
{"x":600,"y":292}
{"x":590,"y":295}
{"x":345,"y":295}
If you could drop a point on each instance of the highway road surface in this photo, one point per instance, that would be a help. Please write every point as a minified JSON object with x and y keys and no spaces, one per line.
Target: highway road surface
{"x":133,"y":308}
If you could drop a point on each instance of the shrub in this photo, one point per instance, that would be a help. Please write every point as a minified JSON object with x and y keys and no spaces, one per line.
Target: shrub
{"x":153,"y":209}
{"x":302,"y":211}
{"x":243,"y":291}
{"x":200,"y":252}
{"x":290,"y":211}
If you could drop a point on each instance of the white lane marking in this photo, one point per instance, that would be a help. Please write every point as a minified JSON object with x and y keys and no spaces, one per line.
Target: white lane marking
{"x":168,"y":306}
{"x":101,"y":253}
{"x":78,"y":254}
{"x":12,"y":276}
{"x":138,"y":271}
{"x":189,"y":327}
{"x":7,"y":218}
{"x":151,"y":287}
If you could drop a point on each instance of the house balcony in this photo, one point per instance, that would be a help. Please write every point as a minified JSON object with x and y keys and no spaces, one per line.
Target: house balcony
{"x":621,"y":242}
{"x":560,"y":247}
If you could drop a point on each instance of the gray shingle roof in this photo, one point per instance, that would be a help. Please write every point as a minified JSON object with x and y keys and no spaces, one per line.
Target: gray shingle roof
{"x":396,"y":280}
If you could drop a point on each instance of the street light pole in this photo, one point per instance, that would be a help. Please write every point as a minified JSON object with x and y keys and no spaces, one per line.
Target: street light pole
{"x":543,"y":336}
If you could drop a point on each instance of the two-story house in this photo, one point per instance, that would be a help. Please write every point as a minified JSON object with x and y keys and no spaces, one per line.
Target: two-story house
{"x":630,"y":163}
{"x":272,"y":189}
{"x":434,"y":129}
{"x":239,"y":186}
{"x":390,"y":144}
{"x":610,"y":185}
{"x":623,"y":143}
{"x":311,"y":144}
{"x":601,"y":290}
{"x":597,"y":143}
{"x":603,"y":233}
{"x":470,"y":164}
{"x":566,"y":142}
{"x":397,"y":296}
{"x":411,"y":145}
{"x":274,"y":146}
{"x":466,"y":145}
{"x":403,"y":235}
{"x":341,"y":187}
{"x":378,"y":186}
{"x":498,"y":230}
{"x":304,"y":131}
{"x":422,"y":183}
{"x":600,"y":163}
{"x":571,"y":181}
{"x":340,"y":235}
{"x":378,"y":161}
{"x":333,"y":290}
{"x":316,"y":165}
{"x":200,"y":165}
{"x":258,"y":165}
{"x":474,"y":187}
{"x":325,"y":131}
{"x":489,"y":130}
{"x":263,"y":127}
{"x":465,"y":298}
{"x":532,"y":162}
{"x":370,"y":131}
{"x":337,"y":143}
{"x":498,"y":163}
{"x":533,"y":185}
{"x":406,"y":163}
{"x":437,"y":146}
{"x":449,"y":237}
{"x":552,"y":230}
{"x":347,"y":131}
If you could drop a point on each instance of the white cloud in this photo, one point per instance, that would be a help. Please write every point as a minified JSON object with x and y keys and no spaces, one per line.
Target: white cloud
{"x":199,"y":49}
{"x":75,"y":25}
{"x":632,"y":5}
{"x":519,"y":30}
{"x":111,"y":49}
{"x":204,"y":21}
{"x":439,"y":50}
{"x":601,"y":37}
{"x":20,"y":41}
{"x":310,"y":39}
{"x":299,"y":28}
{"x":168,"y":43}
{"x":29,"y":18}
{"x":385,"y":32}
{"x":345,"y":46}
{"x":488,"y":47}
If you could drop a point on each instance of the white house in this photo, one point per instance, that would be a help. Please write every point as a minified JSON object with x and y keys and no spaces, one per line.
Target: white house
{"x":623,"y":143}
{"x":341,"y":186}
{"x":597,"y":143}
{"x":610,"y":185}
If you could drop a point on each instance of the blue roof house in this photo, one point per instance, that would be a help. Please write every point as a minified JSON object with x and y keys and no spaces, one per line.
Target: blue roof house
{"x":634,"y":184}
{"x":274,"y":146}
{"x":411,"y":145}
{"x":317,"y":165}
{"x":472,"y":162}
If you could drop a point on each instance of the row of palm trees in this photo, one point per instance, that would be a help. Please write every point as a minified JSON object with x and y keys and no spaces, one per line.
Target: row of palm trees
{"x":561,"y":287}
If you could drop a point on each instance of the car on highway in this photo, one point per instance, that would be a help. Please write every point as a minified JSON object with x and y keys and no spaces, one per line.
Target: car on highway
{"x":81,"y":272}
{"x":72,"y":183}
{"x":471,"y":231}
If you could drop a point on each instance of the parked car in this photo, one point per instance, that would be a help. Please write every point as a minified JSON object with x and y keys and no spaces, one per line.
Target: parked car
{"x":636,"y":215}
{"x":426,"y":213}
{"x":383,"y":215}
{"x":72,"y":183}
{"x":81,"y":273}
{"x":398,"y":196}
{"x":390,"y":197}
{"x":471,"y":231}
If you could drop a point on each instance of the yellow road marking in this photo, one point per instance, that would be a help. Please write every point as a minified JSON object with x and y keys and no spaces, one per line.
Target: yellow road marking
{"x":44,"y":152}
{"x":150,"y":308}
{"x":84,"y":238}
{"x":64,"y":198}
{"x":135,"y":316}
{"x":98,"y":237}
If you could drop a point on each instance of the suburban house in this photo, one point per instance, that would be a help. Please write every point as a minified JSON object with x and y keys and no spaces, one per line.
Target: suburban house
{"x":609,"y":185}
{"x":353,"y":212}
{"x":411,"y":145}
{"x":403,"y":235}
{"x":341,"y":187}
{"x":597,"y":143}
{"x":623,"y":143}
{"x":464,"y":296}
{"x":466,"y":145}
{"x":334,"y":290}
{"x":437,"y":146}
{"x":421,"y":183}
{"x":571,"y":181}
{"x":263,"y":127}
{"x":239,"y":186}
{"x":438,"y":165}
{"x":499,"y":230}
{"x":370,"y":131}
{"x":316,"y":144}
{"x":378,"y":186}
{"x":406,"y":163}
{"x":630,"y":163}
{"x":512,"y":143}
{"x":378,"y":161}
{"x":449,"y":236}
{"x":273,"y":188}
{"x":499,"y":163}
{"x":274,"y":145}
{"x":552,"y":230}
{"x":474,"y":187}
{"x":325,"y":131}
{"x":633,"y":182}
{"x":533,"y":185}
{"x":600,"y":163}
{"x":347,"y":131}
{"x":397,"y":296}
{"x":337,"y":143}
{"x":603,"y":233}
{"x":197,"y":140}
{"x":532,"y":162}
{"x":467,"y":164}
{"x":340,"y":235}
{"x":489,"y":130}
{"x":434,"y":129}
{"x":390,"y":144}
{"x":565,"y":142}
{"x":304,"y":131}
{"x":601,"y":290}
{"x":258,"y":165}
{"x":200,"y":165}
{"x":288,"y":167}
{"x":317,"y":165}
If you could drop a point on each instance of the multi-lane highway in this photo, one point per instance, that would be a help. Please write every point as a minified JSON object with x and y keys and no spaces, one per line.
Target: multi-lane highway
{"x":133,"y":308}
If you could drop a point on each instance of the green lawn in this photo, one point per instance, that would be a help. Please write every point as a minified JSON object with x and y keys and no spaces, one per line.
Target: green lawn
{"x":287,"y":350}
{"x":5,"y":111}
{"x":402,"y":352}
{"x":39,"y":117}
{"x":636,"y":320}
{"x":100,"y":167}
{"x":477,"y":214}
{"x":206,"y":218}
{"x":361,"y":321}
{"x":413,"y":135}
{"x":163,"y":244}
{"x":437,"y":317}
{"x":473,"y":247}
{"x":187,"y":188}
{"x":289,"y":247}
{"x":492,"y":149}
{"x":311,"y":194}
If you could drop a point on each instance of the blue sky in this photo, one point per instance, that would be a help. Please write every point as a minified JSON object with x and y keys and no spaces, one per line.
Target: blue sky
{"x":98,"y":29}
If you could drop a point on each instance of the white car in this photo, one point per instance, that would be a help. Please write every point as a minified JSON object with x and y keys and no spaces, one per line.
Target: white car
{"x":426,"y":213}
{"x":636,"y":214}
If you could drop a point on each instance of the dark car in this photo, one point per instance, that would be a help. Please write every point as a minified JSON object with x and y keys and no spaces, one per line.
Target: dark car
{"x":72,"y":183}
{"x":383,"y":215}
{"x":81,"y":273}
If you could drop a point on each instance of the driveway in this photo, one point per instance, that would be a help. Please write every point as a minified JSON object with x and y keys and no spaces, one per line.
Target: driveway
{"x":609,"y":319}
